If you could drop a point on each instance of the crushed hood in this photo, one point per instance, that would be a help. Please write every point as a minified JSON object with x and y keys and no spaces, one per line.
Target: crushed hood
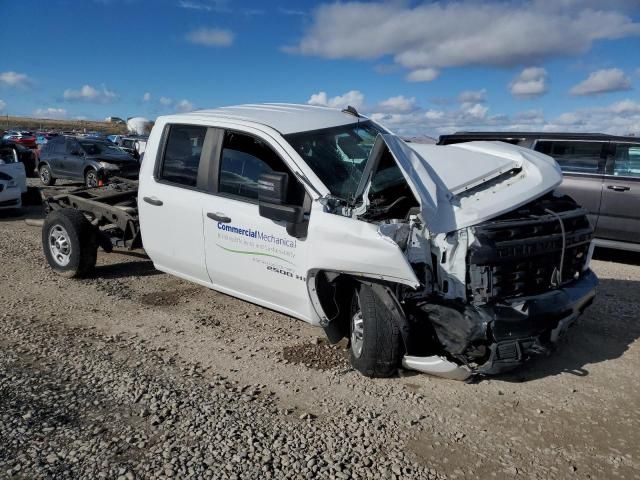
{"x":465,"y":184}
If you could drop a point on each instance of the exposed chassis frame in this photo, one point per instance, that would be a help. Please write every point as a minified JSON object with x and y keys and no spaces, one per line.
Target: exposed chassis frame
{"x":116,"y":224}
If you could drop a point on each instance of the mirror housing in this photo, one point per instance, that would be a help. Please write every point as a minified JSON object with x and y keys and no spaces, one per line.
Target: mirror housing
{"x":76,"y":153}
{"x":272,"y":196}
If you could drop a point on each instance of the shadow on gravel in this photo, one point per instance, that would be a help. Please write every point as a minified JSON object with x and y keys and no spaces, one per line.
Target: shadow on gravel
{"x":15,"y":215}
{"x":604,"y":332}
{"x":618,"y":256}
{"x":126,"y":269}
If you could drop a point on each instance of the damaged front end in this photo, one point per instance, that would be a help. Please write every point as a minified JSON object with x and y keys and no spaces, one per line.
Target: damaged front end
{"x":502,"y":263}
{"x":526,"y":280}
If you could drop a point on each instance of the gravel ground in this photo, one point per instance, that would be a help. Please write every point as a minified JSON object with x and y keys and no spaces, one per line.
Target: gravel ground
{"x":136,"y":374}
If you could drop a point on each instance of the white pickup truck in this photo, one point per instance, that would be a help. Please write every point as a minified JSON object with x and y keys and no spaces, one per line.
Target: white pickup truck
{"x":452,"y":260}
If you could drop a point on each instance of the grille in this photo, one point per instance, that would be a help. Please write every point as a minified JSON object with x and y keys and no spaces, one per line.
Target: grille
{"x":518,"y":257}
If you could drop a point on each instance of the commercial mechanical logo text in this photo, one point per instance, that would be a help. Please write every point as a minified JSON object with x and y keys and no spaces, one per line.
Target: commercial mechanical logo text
{"x":257,"y":234}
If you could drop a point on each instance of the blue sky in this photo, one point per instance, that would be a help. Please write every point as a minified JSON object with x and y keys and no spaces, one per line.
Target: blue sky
{"x":419,"y":67}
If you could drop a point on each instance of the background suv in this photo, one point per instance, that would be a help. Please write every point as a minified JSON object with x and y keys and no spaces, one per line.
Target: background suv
{"x":601,"y":172}
{"x":88,"y":159}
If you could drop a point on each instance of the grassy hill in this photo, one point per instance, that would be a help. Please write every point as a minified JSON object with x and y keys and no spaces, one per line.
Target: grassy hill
{"x":26,"y":123}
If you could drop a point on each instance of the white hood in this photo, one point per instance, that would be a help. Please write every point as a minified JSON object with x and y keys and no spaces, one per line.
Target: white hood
{"x":458,"y":185}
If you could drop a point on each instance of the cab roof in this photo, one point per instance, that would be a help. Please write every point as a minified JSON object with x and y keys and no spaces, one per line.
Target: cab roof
{"x":284,"y":117}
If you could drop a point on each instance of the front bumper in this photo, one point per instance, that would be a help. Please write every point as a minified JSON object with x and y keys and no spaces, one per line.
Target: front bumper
{"x":498,"y":337}
{"x":525,"y":327}
{"x":10,"y":198}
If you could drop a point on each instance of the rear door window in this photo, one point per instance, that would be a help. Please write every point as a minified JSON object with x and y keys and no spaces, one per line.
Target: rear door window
{"x":182,"y":154}
{"x":574,"y":156}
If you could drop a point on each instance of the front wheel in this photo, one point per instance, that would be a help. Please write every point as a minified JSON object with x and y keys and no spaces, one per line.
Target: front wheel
{"x":69,"y":243}
{"x":91,"y":178}
{"x":376,"y":344}
{"x":46,"y":177}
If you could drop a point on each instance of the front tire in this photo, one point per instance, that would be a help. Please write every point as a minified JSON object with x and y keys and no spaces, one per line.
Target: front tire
{"x":46,"y":177}
{"x":69,"y":243}
{"x":91,"y":178}
{"x":375,"y":341}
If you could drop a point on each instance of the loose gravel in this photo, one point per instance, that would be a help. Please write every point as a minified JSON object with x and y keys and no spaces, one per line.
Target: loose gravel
{"x":134,"y":374}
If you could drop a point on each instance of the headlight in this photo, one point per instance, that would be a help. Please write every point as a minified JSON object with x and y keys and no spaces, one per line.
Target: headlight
{"x":108,"y":166}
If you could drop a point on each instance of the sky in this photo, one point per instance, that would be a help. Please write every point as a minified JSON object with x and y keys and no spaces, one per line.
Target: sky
{"x":420,"y":68}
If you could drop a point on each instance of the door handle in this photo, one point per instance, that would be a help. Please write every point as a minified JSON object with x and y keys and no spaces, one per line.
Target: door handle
{"x":618,"y":188}
{"x":153,"y":201}
{"x":219,"y":217}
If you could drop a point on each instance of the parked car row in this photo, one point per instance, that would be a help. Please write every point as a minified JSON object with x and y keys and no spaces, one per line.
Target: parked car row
{"x":601,"y":172}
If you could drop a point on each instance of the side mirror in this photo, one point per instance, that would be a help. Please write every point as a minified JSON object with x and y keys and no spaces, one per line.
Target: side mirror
{"x":76,"y":153}
{"x":272,"y":195}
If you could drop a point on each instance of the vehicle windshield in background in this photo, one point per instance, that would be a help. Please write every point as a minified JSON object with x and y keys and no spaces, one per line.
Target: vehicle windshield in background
{"x":337,"y":155}
{"x":96,"y":148}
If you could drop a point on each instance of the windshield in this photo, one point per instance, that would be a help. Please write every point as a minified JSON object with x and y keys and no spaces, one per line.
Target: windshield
{"x":337,"y":155}
{"x":92,"y":148}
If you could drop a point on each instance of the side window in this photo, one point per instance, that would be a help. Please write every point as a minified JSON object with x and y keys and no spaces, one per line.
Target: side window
{"x":182,"y":154}
{"x":243,"y":159}
{"x":59,"y":147}
{"x":627,"y":160}
{"x":72,"y":145}
{"x":574,"y":156}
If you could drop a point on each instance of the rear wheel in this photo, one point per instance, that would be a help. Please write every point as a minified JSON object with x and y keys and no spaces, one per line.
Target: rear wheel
{"x":376,"y":344}
{"x":46,"y":177}
{"x":91,"y":178}
{"x":69,"y":243}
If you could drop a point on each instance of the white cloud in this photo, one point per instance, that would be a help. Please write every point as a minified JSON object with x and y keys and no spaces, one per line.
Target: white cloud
{"x":87,"y":93}
{"x":3,"y":105}
{"x":219,"y":6}
{"x":473,"y":96}
{"x":466,"y":32}
{"x":353,"y":97}
{"x":399,"y":103}
{"x":603,"y":81}
{"x":530,"y":83}
{"x":211,"y":37}
{"x":165,"y":101}
{"x":292,"y":12}
{"x":146,"y":97}
{"x":50,"y":113}
{"x":14,"y":79}
{"x":184,"y":106}
{"x":423,"y":75}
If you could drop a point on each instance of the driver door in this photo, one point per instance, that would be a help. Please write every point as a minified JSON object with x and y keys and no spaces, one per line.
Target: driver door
{"x":247,"y":255}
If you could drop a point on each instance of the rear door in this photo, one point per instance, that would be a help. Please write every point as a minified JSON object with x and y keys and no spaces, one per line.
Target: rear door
{"x":582,"y":163}
{"x":620,"y":209}
{"x":172,"y":200}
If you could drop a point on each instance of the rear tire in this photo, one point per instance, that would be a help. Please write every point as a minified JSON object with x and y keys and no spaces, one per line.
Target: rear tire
{"x":46,"y":177}
{"x":69,"y":243}
{"x":376,"y":344}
